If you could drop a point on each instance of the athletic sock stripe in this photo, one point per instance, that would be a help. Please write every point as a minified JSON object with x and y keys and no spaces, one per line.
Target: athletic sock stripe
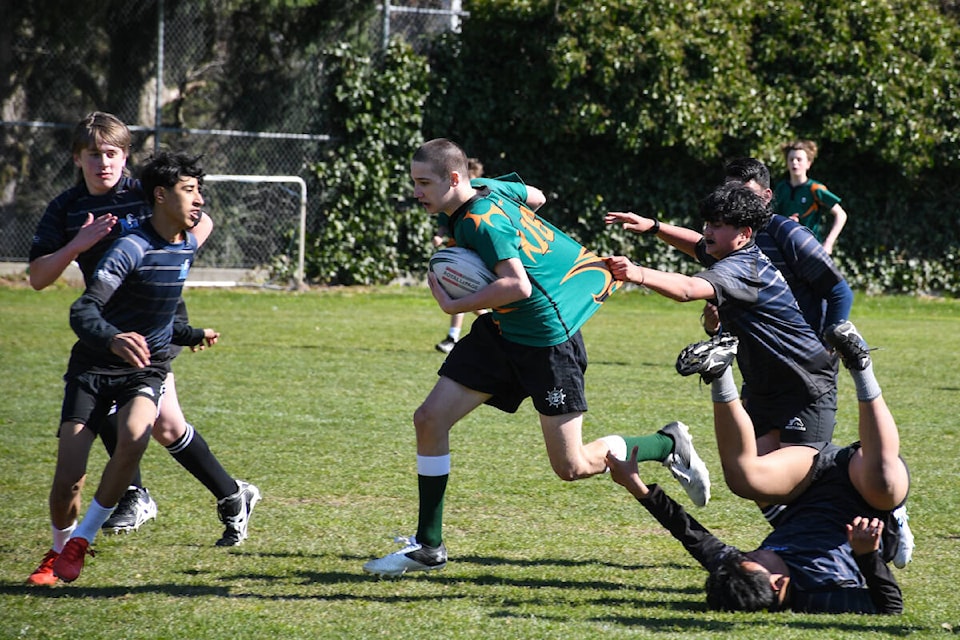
{"x":183,"y":442}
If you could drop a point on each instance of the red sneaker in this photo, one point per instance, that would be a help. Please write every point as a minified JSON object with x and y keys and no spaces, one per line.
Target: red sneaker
{"x":44,"y":576}
{"x":70,"y":563}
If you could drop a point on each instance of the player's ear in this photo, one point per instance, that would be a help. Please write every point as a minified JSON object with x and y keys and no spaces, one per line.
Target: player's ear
{"x":455,"y":178}
{"x":158,"y":194}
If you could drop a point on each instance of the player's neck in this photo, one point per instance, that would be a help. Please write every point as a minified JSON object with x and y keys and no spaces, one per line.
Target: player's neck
{"x":797,"y":180}
{"x":166,"y":228}
{"x":463,"y":196}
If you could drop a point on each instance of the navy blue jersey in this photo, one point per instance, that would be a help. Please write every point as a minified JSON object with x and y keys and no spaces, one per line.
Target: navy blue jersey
{"x":810,"y":537}
{"x":135,"y":287}
{"x":66,"y":214}
{"x":806,"y":266}
{"x":779,"y":353}
{"x":809,"y":533}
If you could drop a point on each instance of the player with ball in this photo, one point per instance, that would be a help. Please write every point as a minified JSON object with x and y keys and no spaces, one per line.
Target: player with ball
{"x":543,"y":287}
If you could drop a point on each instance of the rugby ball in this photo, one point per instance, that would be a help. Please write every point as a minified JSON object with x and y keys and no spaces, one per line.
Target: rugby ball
{"x":460,"y":271}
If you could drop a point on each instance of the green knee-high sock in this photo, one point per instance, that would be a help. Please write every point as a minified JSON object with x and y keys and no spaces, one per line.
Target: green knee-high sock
{"x":653,"y":447}
{"x":430,"y":521}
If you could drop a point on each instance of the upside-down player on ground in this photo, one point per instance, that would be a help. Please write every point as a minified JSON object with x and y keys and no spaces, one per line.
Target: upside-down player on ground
{"x":825,"y":553}
{"x":530,"y":345}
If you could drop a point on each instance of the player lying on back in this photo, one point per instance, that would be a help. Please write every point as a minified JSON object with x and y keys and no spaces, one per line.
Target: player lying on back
{"x":824,"y":554}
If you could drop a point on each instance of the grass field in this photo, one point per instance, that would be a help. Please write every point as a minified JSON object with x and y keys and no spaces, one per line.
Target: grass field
{"x":310,"y":396}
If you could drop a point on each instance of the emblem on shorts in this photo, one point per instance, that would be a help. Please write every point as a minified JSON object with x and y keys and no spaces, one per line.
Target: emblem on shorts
{"x":795,"y":424}
{"x":556,"y":397}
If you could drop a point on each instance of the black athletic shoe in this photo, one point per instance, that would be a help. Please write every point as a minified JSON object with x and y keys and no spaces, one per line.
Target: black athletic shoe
{"x":235,"y":512}
{"x":847,"y":341}
{"x":446,"y":345}
{"x":134,"y":509}
{"x":709,"y":358}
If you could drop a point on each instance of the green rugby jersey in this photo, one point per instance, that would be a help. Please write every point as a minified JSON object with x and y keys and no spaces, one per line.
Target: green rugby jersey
{"x":809,"y":201}
{"x":569,"y":281}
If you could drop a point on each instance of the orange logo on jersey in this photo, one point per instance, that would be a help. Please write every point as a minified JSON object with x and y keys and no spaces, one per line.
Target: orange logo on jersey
{"x":484,"y":218}
{"x":589,"y":261}
{"x":538,"y":236}
{"x":535,"y":241}
{"x":814,"y":188}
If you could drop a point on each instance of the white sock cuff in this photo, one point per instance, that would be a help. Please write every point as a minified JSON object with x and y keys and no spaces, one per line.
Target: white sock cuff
{"x":433,"y":465}
{"x":60,"y":536}
{"x":617,"y":446}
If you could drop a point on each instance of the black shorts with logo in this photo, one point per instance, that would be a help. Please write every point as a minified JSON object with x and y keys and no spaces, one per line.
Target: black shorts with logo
{"x":552,"y":377}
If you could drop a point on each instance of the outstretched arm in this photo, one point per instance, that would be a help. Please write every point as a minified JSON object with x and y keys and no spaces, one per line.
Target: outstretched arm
{"x":676,"y":286}
{"x":695,"y":538}
{"x":678,"y":237}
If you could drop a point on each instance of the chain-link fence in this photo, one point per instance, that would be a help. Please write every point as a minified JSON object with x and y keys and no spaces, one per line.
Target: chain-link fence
{"x":244,"y":88}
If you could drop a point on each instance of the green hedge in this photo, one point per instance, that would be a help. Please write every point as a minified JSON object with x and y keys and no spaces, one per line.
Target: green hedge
{"x":637,"y":106}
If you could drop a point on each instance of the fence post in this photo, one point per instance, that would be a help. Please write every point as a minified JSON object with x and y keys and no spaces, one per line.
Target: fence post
{"x":386,"y":24}
{"x":158,"y":107}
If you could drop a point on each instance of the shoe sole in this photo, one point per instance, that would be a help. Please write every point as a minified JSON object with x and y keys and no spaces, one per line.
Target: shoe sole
{"x":402,"y":572}
{"x":131,"y":529}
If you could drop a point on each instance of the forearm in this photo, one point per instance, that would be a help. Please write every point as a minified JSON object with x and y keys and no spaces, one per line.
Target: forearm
{"x":839,"y":221}
{"x":499,"y":293}
{"x":45,"y":270}
{"x":680,"y":238}
{"x":86,"y":320}
{"x":839,"y":304}
{"x":884,"y":590}
{"x":695,"y":538}
{"x":675,"y":286}
{"x":185,"y":335}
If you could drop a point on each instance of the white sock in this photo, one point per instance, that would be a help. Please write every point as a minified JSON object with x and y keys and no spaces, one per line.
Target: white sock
{"x":60,"y":536}
{"x":95,"y":517}
{"x":724,"y":388}
{"x":617,"y":446}
{"x":454,"y":333}
{"x":866,"y":384}
{"x":433,"y":465}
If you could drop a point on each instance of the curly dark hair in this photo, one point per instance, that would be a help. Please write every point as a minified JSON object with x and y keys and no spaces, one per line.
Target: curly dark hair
{"x":730,"y":587}
{"x":736,"y":204}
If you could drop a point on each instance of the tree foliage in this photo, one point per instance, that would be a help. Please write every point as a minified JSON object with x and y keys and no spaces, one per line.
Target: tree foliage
{"x":372,"y":232}
{"x":633,"y":104}
{"x":636,"y":105}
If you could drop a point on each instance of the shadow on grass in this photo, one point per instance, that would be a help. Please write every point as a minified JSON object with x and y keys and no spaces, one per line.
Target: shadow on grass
{"x":743,"y":621}
{"x":79,"y":591}
{"x":654,"y":609}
